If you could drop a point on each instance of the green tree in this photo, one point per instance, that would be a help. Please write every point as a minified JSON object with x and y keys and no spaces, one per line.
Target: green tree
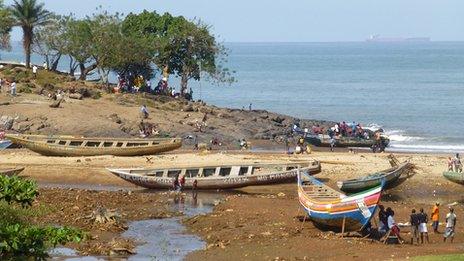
{"x":78,"y":47}
{"x":49,"y":40}
{"x":6,"y":22}
{"x":27,"y":15}
{"x":181,"y":47}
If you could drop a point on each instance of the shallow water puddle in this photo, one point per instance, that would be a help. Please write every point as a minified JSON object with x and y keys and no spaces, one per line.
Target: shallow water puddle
{"x":160,"y":239}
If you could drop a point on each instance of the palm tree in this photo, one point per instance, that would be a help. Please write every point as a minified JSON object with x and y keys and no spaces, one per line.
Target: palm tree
{"x":27,"y":15}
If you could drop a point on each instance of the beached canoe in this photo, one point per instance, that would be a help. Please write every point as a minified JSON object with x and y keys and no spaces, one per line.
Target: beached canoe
{"x":69,"y":146}
{"x":330,"y":209}
{"x":11,"y":172}
{"x":390,"y":176}
{"x":456,"y":177}
{"x":342,"y":142}
{"x":217,"y":177}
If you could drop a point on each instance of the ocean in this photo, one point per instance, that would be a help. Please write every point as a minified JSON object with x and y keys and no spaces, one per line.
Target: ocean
{"x":414,"y":91}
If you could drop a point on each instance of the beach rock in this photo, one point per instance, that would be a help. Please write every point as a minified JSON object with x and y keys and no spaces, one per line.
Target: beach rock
{"x":76,"y":96}
{"x":6,"y":122}
{"x":115,"y":118}
{"x":188,"y":108}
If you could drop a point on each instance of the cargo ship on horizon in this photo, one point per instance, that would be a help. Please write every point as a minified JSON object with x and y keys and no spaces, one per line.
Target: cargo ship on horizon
{"x":378,"y":38}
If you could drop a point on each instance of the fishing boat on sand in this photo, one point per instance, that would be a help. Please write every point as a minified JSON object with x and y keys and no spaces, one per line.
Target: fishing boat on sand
{"x":11,"y":172}
{"x":456,"y":177}
{"x":331,"y":209}
{"x":390,"y":176}
{"x":217,"y":177}
{"x":69,"y":146}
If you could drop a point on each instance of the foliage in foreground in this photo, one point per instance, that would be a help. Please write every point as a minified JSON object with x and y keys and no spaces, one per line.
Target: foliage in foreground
{"x":17,"y":237}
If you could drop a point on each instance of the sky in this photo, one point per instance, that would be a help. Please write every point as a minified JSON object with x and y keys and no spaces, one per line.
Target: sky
{"x":297,"y":20}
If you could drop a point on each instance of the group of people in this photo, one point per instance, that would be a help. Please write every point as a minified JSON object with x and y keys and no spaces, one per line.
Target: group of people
{"x":343,"y":129}
{"x":418,"y":222}
{"x":11,"y":86}
{"x":454,"y":164}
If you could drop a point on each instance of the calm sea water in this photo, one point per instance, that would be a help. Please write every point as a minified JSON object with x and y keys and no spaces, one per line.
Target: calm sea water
{"x":413,"y":90}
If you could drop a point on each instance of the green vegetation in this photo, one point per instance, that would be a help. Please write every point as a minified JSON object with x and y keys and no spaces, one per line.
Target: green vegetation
{"x":6,"y":22}
{"x":439,"y":258}
{"x":28,"y":14}
{"x":18,"y":238}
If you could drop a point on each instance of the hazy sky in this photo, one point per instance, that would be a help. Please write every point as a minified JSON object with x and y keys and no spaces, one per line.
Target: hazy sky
{"x":298,"y":20}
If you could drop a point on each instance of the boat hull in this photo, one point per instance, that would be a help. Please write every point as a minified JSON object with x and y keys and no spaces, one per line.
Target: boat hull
{"x":4,"y":144}
{"x":209,"y":183}
{"x":456,"y":177}
{"x":342,"y":143}
{"x":348,"y":213}
{"x":352,"y":186}
{"x":11,"y":172}
{"x":46,"y":149}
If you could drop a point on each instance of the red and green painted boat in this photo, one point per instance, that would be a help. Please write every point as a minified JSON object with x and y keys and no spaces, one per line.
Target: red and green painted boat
{"x":334,"y":210}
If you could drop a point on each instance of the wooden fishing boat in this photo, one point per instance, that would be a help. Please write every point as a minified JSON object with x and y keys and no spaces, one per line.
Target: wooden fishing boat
{"x":331,"y":209}
{"x":217,"y":177}
{"x":343,"y":142}
{"x":11,"y":172}
{"x":390,"y":176}
{"x":456,"y":177}
{"x":69,"y":146}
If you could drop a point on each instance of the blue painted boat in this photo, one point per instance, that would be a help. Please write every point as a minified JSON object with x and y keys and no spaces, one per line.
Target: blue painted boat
{"x":331,"y":209}
{"x":4,"y":144}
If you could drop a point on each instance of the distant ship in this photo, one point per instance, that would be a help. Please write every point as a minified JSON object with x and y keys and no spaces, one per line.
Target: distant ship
{"x":377,"y":38}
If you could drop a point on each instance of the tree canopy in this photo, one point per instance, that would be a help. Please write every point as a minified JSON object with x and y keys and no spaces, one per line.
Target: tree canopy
{"x":28,"y":14}
{"x":6,"y":22}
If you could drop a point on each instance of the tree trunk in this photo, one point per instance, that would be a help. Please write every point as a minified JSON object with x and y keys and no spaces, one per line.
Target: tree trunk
{"x":86,"y":70}
{"x":183,"y":84}
{"x":27,"y":42}
{"x":55,"y":63}
{"x":72,"y":66}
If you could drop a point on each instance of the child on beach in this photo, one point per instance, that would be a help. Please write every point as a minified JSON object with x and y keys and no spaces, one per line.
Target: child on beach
{"x":414,"y":220}
{"x":435,"y":217}
{"x":423,"y":219}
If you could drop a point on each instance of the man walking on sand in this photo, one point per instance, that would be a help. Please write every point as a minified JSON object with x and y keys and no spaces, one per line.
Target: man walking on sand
{"x":435,"y":217}
{"x":450,"y":225}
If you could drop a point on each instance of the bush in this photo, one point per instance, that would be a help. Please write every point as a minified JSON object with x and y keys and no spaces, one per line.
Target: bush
{"x":18,"y":239}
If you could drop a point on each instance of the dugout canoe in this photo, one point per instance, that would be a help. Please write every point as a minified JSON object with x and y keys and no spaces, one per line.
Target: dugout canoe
{"x":69,"y":146}
{"x":343,"y":142}
{"x":330,"y":209}
{"x":456,"y":177}
{"x":390,"y":176}
{"x":217,"y":177}
{"x":11,"y":172}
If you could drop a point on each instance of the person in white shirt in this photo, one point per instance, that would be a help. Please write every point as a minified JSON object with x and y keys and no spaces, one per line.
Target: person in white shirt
{"x":450,"y":225}
{"x":34,"y":71}
{"x":13,"y":88}
{"x":395,"y":230}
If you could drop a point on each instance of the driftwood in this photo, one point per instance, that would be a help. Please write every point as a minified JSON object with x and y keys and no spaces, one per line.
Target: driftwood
{"x":56,"y":104}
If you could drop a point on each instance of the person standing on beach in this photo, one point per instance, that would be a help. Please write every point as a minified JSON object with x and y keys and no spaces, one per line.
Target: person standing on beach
{"x":435,"y":217}
{"x":13,"y":88}
{"x":144,"y":112}
{"x":423,"y":219}
{"x":450,"y":225}
{"x":382,"y":219}
{"x":457,"y":163}
{"x":34,"y":71}
{"x":414,"y":220}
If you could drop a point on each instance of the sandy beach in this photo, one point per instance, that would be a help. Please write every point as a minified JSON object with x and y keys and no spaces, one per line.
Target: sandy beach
{"x":254,"y":223}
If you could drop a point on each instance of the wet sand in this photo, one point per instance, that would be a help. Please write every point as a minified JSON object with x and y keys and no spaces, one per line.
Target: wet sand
{"x":254,"y":223}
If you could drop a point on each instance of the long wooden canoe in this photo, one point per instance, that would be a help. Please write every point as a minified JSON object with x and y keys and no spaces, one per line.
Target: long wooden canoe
{"x":217,"y":177}
{"x":342,"y":142}
{"x":456,"y":177}
{"x":390,"y":176}
{"x":11,"y":172}
{"x":68,"y":146}
{"x":331,"y":209}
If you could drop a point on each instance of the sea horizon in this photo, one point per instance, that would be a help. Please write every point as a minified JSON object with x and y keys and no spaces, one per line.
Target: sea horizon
{"x":411,"y":89}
